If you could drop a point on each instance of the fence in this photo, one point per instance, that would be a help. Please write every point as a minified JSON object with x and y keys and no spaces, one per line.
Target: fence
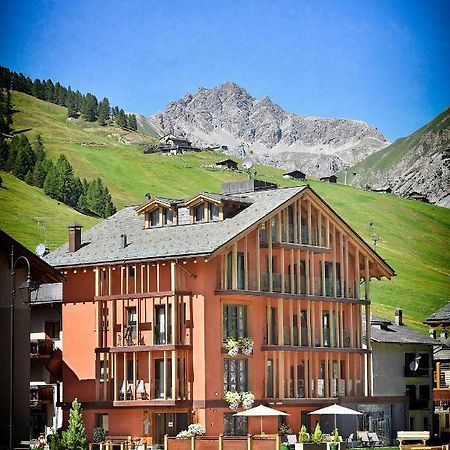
{"x":250,"y":442}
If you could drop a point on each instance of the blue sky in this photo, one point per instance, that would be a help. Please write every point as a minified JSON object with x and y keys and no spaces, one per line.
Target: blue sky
{"x":384,"y":62}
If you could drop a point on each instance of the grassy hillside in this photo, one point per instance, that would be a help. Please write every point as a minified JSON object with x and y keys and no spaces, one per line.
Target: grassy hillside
{"x":20,"y":207}
{"x":413,"y":235}
{"x":382,"y":161}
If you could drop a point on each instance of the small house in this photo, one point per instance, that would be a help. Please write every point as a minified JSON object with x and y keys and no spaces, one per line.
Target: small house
{"x":227,"y":164}
{"x":418,"y":196}
{"x":330,"y":179}
{"x":295,"y":175}
{"x":383,"y":190}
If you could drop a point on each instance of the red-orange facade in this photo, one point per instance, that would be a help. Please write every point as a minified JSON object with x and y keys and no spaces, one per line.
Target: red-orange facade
{"x":144,"y":339}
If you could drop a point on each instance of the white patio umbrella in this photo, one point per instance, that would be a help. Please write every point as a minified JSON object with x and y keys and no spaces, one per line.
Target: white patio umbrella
{"x":335,"y":410}
{"x":261,"y":411}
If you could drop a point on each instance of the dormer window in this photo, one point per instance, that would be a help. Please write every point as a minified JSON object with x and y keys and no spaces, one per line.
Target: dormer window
{"x":154,"y":218}
{"x":213,"y":211}
{"x":199,"y":213}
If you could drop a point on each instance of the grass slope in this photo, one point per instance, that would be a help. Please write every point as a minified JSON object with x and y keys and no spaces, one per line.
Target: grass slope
{"x":413,"y":234}
{"x":21,"y":205}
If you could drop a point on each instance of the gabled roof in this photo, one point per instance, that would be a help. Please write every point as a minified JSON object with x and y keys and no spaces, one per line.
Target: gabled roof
{"x":439,"y":317}
{"x":397,"y":334}
{"x":216,"y":198}
{"x":157,"y":201}
{"x":41,"y":271}
{"x":102,"y":244}
{"x":47,"y":293}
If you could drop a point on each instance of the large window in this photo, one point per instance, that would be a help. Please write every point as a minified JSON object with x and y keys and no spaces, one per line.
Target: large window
{"x":213,"y":211}
{"x":163,"y":322}
{"x":199,"y":213}
{"x":240,"y":271}
{"x":234,"y":321}
{"x":235,"y":374}
{"x":154,"y":218}
{"x":102,"y":421}
{"x":234,"y":425}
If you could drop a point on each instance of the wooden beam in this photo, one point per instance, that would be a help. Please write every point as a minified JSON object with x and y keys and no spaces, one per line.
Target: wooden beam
{"x":258,"y":261}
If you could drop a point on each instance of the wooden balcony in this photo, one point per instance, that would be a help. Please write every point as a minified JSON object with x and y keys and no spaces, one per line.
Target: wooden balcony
{"x":41,"y":348}
{"x":41,"y":395}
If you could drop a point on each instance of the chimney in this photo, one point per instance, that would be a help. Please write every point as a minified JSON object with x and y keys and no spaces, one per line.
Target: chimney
{"x":74,"y":237}
{"x":148,"y":197}
{"x":398,"y":317}
{"x":432,"y":333}
{"x":124,"y":240}
{"x":444,"y":334}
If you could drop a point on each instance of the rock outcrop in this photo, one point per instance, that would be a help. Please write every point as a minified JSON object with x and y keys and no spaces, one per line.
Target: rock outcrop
{"x":228,"y":115}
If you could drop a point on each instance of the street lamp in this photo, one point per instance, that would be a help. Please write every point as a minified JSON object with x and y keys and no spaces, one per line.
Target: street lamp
{"x":28,"y":286}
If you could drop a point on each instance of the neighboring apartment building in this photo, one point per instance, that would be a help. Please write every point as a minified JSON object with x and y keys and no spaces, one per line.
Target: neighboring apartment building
{"x":41,"y":272}
{"x":153,"y":292}
{"x":46,"y":359}
{"x":402,"y":373}
{"x":439,"y":322}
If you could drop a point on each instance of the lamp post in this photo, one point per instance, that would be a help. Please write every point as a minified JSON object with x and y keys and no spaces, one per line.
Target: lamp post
{"x":28,"y":286}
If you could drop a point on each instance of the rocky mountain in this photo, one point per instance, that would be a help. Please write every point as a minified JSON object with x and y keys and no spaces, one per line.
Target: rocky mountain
{"x":228,"y":115}
{"x":417,"y":163}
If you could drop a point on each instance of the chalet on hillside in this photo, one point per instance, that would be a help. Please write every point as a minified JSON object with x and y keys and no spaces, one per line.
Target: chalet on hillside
{"x":383,"y":190}
{"x":418,"y":196}
{"x":227,"y":164}
{"x":330,"y":179}
{"x":171,"y":145}
{"x":295,"y":175}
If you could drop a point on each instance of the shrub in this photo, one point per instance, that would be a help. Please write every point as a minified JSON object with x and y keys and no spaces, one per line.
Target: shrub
{"x":75,"y":437}
{"x":303,"y":436}
{"x":317,"y":436}
{"x":98,"y":434}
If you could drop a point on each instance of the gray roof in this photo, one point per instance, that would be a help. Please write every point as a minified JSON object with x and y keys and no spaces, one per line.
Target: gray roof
{"x":102,"y":243}
{"x":441,"y":316}
{"x":442,"y":354}
{"x":397,"y":334}
{"x":47,"y":293}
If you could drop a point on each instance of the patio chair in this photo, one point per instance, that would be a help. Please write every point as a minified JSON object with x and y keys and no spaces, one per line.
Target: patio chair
{"x":374,"y":440}
{"x":363,"y":438}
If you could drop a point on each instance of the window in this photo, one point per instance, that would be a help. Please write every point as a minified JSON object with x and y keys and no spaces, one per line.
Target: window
{"x":304,"y":327}
{"x":131,"y":271}
{"x":234,"y":425}
{"x":199,"y":213}
{"x":234,"y":321}
{"x":326,"y":328}
{"x":102,"y":421}
{"x":159,"y":378}
{"x":163,"y":324}
{"x":235,"y":374}
{"x":130,"y":330}
{"x":239,"y":271}
{"x":154,"y":218}
{"x":302,"y":276}
{"x":269,"y":375}
{"x":291,"y":224}
{"x":213,"y":211}
{"x":103,"y":370}
{"x":328,"y":279}
{"x":52,"y":329}
{"x":130,"y":370}
{"x":272,"y":330}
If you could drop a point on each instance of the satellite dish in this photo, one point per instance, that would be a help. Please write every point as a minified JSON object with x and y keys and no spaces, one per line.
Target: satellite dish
{"x":41,"y":249}
{"x":247,"y":163}
{"x":414,"y":365}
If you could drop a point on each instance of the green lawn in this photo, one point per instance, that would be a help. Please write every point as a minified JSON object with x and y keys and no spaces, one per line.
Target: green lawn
{"x":413,"y":235}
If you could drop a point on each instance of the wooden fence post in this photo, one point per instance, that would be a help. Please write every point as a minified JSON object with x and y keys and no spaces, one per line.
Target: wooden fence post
{"x":249,"y":442}
{"x":192,"y":443}
{"x":220,"y":441}
{"x":277,"y":441}
{"x":166,"y":442}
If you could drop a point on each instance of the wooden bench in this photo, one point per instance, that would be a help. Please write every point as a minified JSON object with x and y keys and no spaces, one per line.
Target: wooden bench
{"x":115,"y":442}
{"x":412,"y":436}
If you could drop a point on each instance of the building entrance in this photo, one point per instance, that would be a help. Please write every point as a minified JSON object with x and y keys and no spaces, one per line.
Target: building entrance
{"x":170,"y":424}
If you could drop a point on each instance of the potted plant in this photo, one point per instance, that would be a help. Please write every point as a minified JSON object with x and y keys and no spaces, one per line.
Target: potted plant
{"x":233,"y":399}
{"x":284,"y":429}
{"x":98,"y":435}
{"x":232,"y":346}
{"x":247,"y":400}
{"x":303,"y":438}
{"x":335,"y":440}
{"x":246,"y":345}
{"x":194,"y":429}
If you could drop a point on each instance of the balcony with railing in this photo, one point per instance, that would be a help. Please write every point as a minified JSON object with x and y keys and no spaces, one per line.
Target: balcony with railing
{"x":41,"y":348}
{"x":40,"y":395}
{"x":442,"y":377}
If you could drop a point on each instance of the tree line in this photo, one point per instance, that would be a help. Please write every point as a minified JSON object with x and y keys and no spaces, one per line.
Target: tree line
{"x":29,"y":162}
{"x":87,"y":106}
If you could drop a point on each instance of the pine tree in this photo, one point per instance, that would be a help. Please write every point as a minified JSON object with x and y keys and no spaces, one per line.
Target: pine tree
{"x":49,"y":91}
{"x":132,"y":122}
{"x":38,"y":148}
{"x":40,"y":172}
{"x":89,"y":108}
{"x":25,"y":159}
{"x":38,"y":89}
{"x":75,"y":437}
{"x":121,"y":119}
{"x":104,"y":112}
{"x":4,"y":151}
{"x":72,"y":110}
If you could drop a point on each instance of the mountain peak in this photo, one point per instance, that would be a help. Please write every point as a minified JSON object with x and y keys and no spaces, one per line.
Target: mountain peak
{"x":228,"y":115}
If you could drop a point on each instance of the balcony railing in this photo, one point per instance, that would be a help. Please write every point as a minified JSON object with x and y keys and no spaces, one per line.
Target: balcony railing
{"x":41,"y":394}
{"x":442,"y":376}
{"x":41,"y":348}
